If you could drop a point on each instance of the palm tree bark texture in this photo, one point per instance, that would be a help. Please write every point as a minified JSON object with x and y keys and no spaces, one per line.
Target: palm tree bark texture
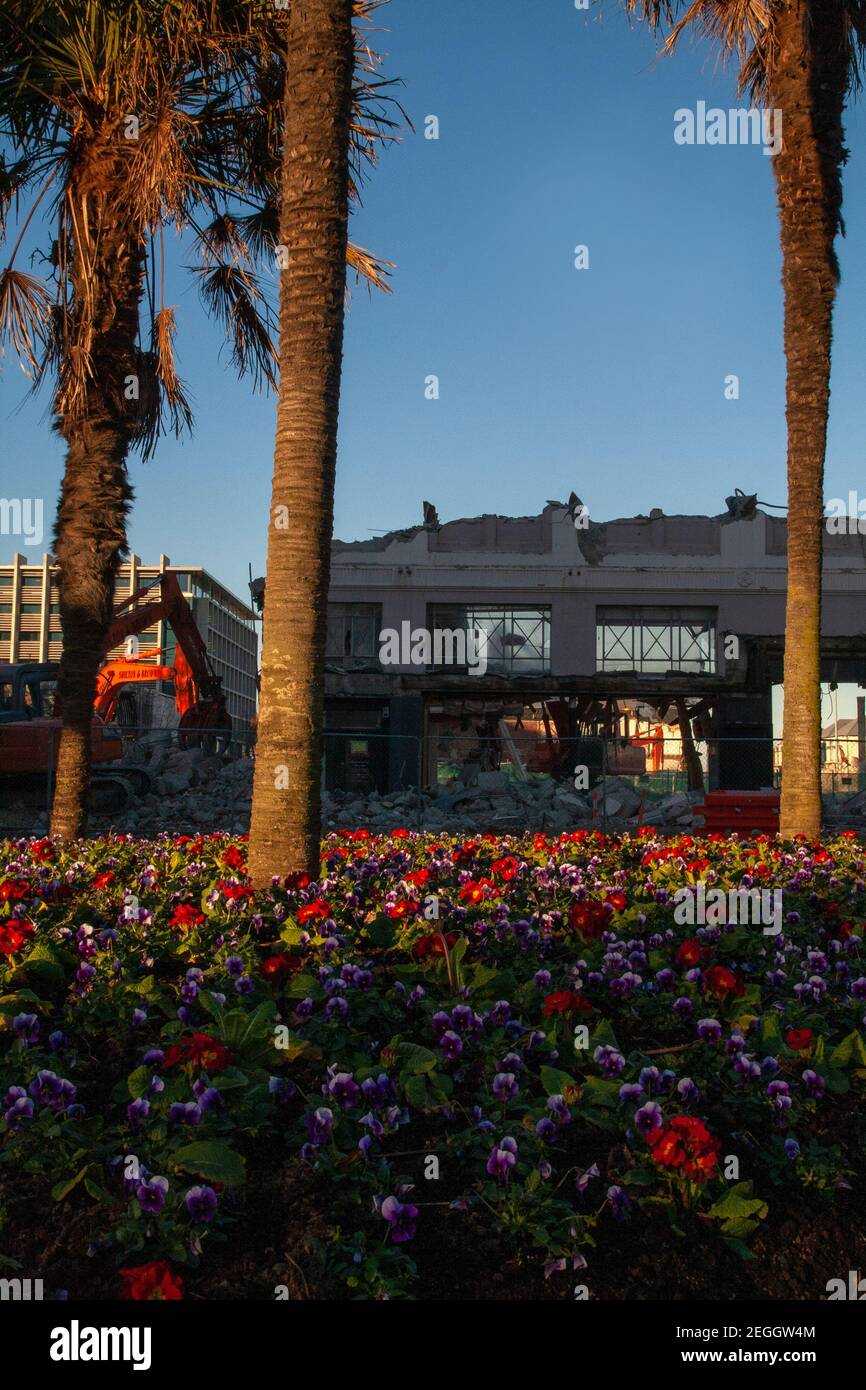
{"x":807,"y":82}
{"x":106,"y":275}
{"x":286,"y":817}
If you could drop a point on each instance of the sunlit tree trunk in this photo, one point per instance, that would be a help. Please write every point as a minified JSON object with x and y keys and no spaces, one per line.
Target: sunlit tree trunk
{"x":107,"y":269}
{"x":285,"y":830}
{"x":808,"y":84}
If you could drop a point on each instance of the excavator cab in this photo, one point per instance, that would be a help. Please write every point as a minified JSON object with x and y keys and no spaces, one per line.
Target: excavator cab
{"x":30,"y":721}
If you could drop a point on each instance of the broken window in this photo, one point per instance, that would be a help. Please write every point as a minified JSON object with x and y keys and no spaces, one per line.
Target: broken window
{"x":353,"y":633}
{"x":656,"y":640}
{"x":517,"y":639}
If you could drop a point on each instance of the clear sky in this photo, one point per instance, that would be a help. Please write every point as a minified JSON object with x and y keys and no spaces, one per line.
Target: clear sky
{"x":556,"y":129}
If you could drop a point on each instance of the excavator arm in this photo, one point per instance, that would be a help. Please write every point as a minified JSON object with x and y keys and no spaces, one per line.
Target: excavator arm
{"x":198,"y":689}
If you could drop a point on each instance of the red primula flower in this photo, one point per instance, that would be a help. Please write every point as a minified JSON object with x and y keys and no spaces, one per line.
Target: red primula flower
{"x":403,"y":908}
{"x":721,"y":981}
{"x":234,"y":892}
{"x":565,"y":1001}
{"x":691,"y":952}
{"x":206,"y":1052}
{"x":466,"y":852}
{"x":151,"y":1281}
{"x":14,"y":889}
{"x":103,"y":880}
{"x":314,"y":912}
{"x":539,"y":843}
{"x":419,"y":877}
{"x":400,"y":834}
{"x":617,"y":900}
{"x":505,"y":867}
{"x":186,"y":915}
{"x":432,"y":945}
{"x":474,"y":892}
{"x":233,"y":859}
{"x":698,"y":866}
{"x":42,"y":851}
{"x":296,"y":881}
{"x":14,"y":935}
{"x":590,"y":919}
{"x":275,"y":968}
{"x":687,"y":1144}
{"x":799,"y":1039}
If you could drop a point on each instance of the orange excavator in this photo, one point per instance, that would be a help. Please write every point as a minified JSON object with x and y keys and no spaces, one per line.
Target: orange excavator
{"x":198,"y":692}
{"x":30,"y":720}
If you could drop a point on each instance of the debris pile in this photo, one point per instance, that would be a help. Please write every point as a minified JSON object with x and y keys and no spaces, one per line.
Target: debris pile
{"x":194,"y":792}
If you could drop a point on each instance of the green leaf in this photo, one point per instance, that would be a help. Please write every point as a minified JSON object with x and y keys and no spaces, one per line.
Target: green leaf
{"x":480,"y":976}
{"x":138,"y":1081}
{"x":301,"y":986}
{"x":603,"y":1036}
{"x":849,"y":1052}
{"x":211,"y":1004}
{"x":597,"y":1091}
{"x":381,"y":932}
{"x":14,"y":1003}
{"x":211,"y":1159}
{"x":292,"y":935}
{"x":416,"y":1093}
{"x":63,"y":1189}
{"x":555,"y":1081}
{"x":414,"y":1058}
{"x":771,"y":1032}
{"x":230,"y":1080}
{"x":99,"y":1194}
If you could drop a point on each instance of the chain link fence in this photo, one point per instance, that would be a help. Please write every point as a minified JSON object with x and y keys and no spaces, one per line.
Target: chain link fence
{"x":149,"y":780}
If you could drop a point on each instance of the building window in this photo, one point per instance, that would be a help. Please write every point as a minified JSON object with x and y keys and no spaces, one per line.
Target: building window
{"x":656,"y":640}
{"x":517,"y":639}
{"x":353,"y":633}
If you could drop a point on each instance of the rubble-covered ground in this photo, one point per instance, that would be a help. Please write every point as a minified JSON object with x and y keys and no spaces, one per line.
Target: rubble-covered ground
{"x":194,"y":791}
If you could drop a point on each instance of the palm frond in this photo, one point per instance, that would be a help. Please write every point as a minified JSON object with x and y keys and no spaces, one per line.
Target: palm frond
{"x":369,"y":267}
{"x":234,"y":297}
{"x":25,"y":310}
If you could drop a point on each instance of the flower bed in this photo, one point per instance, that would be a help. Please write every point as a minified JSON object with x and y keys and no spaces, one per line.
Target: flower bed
{"x":450,"y":1068}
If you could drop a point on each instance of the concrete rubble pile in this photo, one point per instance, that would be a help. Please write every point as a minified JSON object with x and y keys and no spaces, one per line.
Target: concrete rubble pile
{"x":194,"y":792}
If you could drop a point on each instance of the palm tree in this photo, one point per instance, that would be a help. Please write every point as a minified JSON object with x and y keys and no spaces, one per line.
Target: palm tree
{"x":135,"y":115}
{"x":318,"y":180}
{"x":800,"y":58}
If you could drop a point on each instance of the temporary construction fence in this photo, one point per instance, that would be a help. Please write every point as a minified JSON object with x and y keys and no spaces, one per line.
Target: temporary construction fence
{"x":166,"y":780}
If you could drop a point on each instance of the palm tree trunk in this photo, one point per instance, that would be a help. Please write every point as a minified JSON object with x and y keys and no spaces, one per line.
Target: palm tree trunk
{"x":90,"y":532}
{"x":285,"y":829}
{"x":808,"y":84}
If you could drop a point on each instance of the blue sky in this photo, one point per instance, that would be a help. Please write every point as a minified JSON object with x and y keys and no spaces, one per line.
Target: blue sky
{"x":556,"y":129}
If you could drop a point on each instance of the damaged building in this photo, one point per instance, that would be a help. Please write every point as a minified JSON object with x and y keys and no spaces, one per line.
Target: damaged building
{"x":627,"y":646}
